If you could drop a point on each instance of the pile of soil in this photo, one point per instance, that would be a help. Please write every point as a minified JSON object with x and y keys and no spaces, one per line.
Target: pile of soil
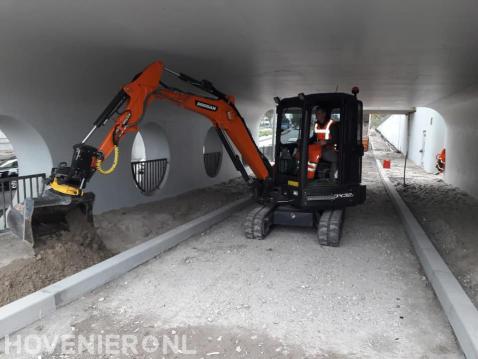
{"x":54,"y":260}
{"x":124,"y":228}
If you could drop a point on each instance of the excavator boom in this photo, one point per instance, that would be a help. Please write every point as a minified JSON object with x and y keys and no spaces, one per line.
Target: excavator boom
{"x":227,"y":120}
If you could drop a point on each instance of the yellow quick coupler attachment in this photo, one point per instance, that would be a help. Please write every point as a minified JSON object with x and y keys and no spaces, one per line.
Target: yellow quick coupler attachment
{"x":65,"y":189}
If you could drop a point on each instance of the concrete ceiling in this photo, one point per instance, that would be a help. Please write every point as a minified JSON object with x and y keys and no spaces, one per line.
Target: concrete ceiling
{"x":401,"y":53}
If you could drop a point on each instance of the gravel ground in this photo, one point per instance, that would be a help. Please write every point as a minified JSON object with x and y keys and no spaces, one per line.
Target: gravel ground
{"x":284,"y":297}
{"x":447,"y":214}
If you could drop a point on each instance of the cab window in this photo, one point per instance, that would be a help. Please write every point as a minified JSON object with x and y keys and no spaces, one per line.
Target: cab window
{"x":289,"y":127}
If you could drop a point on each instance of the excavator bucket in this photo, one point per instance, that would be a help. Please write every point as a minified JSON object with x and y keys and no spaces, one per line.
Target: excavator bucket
{"x":51,"y":214}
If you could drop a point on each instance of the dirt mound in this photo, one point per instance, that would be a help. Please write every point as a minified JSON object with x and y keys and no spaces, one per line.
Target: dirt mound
{"x":55,"y":260}
{"x":57,"y":256}
{"x":121,"y":229}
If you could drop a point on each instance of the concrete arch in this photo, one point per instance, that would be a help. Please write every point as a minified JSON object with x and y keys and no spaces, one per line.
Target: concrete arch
{"x":30,"y":148}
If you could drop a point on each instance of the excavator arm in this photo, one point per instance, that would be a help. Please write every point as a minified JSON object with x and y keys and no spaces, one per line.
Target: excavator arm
{"x":129,"y":106}
{"x":65,"y":198}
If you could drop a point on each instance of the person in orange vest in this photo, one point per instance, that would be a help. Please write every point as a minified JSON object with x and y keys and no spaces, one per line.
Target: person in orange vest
{"x":441,"y":158}
{"x":322,"y":144}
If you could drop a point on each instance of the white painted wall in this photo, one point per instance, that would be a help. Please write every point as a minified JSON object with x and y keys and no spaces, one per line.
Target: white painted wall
{"x":394,"y":129}
{"x":427,"y":132}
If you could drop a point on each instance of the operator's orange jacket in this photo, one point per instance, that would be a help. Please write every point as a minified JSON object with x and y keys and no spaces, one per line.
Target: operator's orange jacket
{"x":322,"y":133}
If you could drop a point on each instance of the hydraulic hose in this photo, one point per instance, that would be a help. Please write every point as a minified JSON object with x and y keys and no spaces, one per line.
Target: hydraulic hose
{"x":99,"y":163}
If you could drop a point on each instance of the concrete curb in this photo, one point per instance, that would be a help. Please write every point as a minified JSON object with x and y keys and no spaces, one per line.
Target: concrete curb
{"x":460,"y":311}
{"x":23,"y":312}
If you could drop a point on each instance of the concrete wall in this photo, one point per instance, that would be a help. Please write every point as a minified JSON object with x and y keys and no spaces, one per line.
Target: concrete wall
{"x":460,"y":113}
{"x":427,"y":131}
{"x":394,"y":129}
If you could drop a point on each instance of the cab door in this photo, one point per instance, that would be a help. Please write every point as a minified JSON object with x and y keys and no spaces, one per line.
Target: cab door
{"x":290,"y":122}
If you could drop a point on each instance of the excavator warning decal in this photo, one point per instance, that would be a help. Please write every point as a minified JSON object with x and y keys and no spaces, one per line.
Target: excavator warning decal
{"x":207,"y":106}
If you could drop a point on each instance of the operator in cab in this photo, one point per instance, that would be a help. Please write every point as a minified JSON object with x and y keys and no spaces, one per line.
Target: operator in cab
{"x":322,"y":145}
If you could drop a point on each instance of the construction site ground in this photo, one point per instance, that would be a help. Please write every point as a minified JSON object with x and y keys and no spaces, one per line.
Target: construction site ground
{"x":23,"y":271}
{"x":283,"y":297}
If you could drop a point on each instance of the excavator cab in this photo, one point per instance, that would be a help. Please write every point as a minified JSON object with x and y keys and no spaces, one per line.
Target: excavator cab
{"x":317,"y":169}
{"x":317,"y":182}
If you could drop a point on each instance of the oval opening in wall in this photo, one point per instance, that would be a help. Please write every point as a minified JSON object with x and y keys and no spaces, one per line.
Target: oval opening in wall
{"x":212,"y":153}
{"x":150,"y":158}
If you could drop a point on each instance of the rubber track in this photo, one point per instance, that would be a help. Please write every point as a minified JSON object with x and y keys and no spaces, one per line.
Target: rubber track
{"x":329,"y":228}
{"x":254,"y":222}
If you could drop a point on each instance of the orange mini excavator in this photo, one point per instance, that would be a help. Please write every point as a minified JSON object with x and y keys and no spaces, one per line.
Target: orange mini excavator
{"x":286,"y":194}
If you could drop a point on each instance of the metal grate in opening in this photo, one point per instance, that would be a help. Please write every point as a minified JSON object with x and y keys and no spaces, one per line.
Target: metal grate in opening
{"x":148,"y":175}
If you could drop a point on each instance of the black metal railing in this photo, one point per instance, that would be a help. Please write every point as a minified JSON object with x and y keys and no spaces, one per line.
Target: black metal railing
{"x":212,"y":163}
{"x":14,"y":190}
{"x":148,"y":175}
